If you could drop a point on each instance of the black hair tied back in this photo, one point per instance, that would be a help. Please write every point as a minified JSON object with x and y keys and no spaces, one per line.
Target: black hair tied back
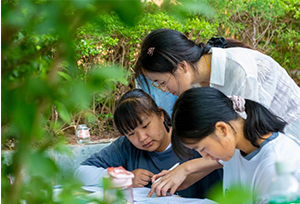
{"x":217,"y":42}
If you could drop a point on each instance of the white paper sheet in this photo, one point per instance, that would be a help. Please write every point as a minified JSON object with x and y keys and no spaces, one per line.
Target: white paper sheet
{"x":140,"y":197}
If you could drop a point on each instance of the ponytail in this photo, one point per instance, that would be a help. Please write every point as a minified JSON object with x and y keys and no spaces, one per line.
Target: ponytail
{"x":260,"y":121}
{"x":217,"y":42}
{"x":227,"y":43}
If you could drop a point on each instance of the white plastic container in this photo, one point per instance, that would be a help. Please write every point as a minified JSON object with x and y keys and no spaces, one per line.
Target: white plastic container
{"x":285,"y":187}
{"x":120,"y":191}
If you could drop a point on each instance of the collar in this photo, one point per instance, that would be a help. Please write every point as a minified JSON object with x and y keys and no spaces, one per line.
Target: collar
{"x":266,"y":141}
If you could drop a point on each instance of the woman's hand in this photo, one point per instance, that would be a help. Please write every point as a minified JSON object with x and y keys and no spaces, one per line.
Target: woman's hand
{"x":141,"y":177}
{"x":182,"y":176}
{"x":157,"y":176}
{"x":167,"y":185}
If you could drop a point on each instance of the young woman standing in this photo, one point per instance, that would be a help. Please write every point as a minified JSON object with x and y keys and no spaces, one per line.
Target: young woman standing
{"x":174,"y":64}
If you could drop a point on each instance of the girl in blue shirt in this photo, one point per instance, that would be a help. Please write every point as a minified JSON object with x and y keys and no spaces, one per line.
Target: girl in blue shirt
{"x":145,"y":149}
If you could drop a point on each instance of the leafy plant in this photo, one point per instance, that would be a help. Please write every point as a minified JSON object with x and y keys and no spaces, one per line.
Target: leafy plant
{"x":39,"y":72}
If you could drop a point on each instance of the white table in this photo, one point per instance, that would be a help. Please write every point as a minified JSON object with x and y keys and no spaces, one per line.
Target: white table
{"x":140,"y":197}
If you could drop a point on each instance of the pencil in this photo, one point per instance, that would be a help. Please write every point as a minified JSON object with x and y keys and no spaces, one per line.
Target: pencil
{"x":173,"y":167}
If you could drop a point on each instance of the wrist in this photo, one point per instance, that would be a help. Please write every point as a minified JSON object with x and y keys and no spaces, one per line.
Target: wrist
{"x":189,"y":167}
{"x":199,"y":165}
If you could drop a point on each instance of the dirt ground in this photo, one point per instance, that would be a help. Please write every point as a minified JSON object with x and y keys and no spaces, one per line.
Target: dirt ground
{"x":105,"y":136}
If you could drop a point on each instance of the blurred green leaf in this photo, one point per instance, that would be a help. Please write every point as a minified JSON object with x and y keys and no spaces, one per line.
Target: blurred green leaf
{"x":63,"y":111}
{"x":64,"y":75}
{"x":104,"y":77}
{"x":237,"y":195}
{"x":41,"y":165}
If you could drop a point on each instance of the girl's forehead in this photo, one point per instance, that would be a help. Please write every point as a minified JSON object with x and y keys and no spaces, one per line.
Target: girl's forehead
{"x":190,"y":142}
{"x":157,"y":76}
{"x":145,"y":116}
{"x":196,"y":142}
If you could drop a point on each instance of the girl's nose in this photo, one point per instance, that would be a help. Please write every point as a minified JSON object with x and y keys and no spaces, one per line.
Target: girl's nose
{"x":141,"y":136}
{"x":205,"y":155}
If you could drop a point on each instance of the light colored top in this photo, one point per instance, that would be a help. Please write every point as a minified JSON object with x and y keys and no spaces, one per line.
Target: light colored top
{"x":257,"y":169}
{"x":252,"y":75}
{"x":256,"y":76}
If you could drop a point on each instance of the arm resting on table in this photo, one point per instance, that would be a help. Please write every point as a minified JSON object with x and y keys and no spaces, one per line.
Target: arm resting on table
{"x":90,"y":175}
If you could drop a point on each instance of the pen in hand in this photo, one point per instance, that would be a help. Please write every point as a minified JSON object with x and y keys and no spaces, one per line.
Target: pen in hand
{"x":173,"y":167}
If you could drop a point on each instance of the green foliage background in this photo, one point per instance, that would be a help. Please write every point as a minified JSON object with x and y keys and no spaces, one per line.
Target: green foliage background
{"x":66,"y":62}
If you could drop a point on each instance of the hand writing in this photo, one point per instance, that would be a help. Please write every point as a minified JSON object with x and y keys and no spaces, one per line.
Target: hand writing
{"x":169,"y":182}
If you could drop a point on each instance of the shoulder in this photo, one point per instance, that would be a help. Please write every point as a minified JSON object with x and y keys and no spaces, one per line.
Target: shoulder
{"x":286,"y":141}
{"x":121,"y":146}
{"x":236,"y":61}
{"x":283,"y":147}
{"x":240,"y":55}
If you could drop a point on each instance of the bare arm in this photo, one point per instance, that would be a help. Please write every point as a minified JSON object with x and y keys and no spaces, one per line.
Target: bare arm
{"x":90,"y":175}
{"x":183,"y":176}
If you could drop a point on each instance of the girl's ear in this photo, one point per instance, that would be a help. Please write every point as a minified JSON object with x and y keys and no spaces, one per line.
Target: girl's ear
{"x":221,"y":129}
{"x":183,"y":66}
{"x":161,"y":112}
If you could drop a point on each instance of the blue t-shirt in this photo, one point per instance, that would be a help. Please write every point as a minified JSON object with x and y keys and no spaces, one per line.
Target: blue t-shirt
{"x":123,"y":153}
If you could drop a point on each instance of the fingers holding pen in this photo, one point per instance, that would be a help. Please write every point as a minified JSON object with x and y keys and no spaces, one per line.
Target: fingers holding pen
{"x":162,"y":187}
{"x":159,"y":175}
{"x":167,"y":184}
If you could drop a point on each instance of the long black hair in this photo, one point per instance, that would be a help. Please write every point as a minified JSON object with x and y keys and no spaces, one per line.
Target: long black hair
{"x":163,"y":49}
{"x":197,"y":110}
{"x":132,"y":106}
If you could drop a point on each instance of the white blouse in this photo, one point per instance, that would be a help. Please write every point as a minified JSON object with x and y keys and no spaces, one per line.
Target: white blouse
{"x":256,"y":76}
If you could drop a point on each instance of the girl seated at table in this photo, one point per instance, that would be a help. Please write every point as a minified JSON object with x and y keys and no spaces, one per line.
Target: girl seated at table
{"x":145,"y":149}
{"x":240,"y":135}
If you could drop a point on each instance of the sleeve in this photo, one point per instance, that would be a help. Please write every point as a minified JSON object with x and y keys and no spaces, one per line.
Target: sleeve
{"x":164,"y":100}
{"x":112,"y":155}
{"x":235,"y":72}
{"x":255,"y":76}
{"x":90,"y":175}
{"x":91,"y":171}
{"x":245,"y":77}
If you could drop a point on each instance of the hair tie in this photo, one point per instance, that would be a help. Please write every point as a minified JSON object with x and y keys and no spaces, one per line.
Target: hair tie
{"x":150,"y":51}
{"x":217,"y":42}
{"x":238,"y":103}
